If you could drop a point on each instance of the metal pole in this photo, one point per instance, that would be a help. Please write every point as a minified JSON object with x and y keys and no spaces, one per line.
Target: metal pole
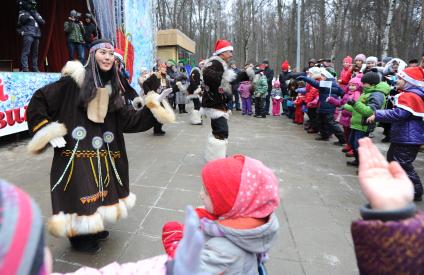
{"x":299,"y":6}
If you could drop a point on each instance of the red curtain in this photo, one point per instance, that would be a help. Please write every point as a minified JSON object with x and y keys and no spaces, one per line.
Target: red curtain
{"x":53,"y":40}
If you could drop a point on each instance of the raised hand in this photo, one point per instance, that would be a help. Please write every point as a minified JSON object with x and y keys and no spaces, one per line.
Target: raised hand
{"x":385,"y":185}
{"x":164,"y":94}
{"x":371,"y":119}
{"x":187,"y":257}
{"x":58,"y":142}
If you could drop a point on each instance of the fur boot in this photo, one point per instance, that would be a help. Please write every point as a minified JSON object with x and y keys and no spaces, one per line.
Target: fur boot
{"x":195,"y":117}
{"x":215,"y":148}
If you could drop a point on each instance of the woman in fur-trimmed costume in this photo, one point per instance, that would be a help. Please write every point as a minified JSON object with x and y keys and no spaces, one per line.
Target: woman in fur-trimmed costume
{"x":83,"y":117}
{"x":217,"y":76}
{"x":194,"y":92}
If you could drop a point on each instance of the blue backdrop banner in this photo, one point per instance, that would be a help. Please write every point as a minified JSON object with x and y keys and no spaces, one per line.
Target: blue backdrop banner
{"x":139,"y":23}
{"x":16,"y":90}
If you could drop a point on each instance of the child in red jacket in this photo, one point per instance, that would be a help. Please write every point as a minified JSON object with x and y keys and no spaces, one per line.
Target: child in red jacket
{"x":300,"y":106}
{"x":312,"y":101}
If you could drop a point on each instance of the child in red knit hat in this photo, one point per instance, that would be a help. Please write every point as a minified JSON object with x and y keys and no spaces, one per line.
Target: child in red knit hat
{"x":240,"y":196}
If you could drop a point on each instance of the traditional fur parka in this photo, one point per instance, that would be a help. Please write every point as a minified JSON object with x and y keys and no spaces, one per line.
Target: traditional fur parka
{"x":217,"y":76}
{"x":89,"y":176}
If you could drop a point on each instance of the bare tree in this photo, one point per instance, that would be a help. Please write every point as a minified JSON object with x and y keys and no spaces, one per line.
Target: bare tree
{"x":266,"y":28}
{"x":392,"y":5}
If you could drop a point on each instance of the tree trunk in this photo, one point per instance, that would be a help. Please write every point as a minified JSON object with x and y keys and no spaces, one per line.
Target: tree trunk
{"x":322,"y":28}
{"x":337,"y":18}
{"x":392,"y":5}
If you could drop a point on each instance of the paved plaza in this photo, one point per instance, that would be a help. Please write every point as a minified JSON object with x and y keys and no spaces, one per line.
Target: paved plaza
{"x":320,"y":196}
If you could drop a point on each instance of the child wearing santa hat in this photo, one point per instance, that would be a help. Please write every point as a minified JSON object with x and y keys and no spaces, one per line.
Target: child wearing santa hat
{"x":240,"y":196}
{"x":407,"y":125}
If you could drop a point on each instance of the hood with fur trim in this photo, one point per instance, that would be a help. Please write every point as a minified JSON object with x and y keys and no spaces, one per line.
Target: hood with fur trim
{"x":75,"y":70}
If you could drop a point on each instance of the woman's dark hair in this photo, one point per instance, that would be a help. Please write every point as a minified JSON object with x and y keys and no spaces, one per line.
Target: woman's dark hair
{"x":88,"y":89}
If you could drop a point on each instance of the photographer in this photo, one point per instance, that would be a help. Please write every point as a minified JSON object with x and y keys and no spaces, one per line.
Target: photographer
{"x":90,"y":30}
{"x":74,"y":30}
{"x":29,"y":21}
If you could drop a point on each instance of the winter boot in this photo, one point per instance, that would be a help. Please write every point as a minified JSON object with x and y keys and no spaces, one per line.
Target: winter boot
{"x":354,"y":163}
{"x":85,"y":243}
{"x":418,"y":194}
{"x":215,"y":148}
{"x":195,"y":117}
{"x":350,"y":154}
{"x":346,"y":148}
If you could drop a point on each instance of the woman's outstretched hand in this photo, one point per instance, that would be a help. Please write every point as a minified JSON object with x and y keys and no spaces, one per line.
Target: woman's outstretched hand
{"x":385,"y":185}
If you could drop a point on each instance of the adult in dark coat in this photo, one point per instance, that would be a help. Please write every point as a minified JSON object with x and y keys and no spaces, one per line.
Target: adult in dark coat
{"x":217,"y":77}
{"x":234,"y":100}
{"x":83,"y":117}
{"x":194,"y":92}
{"x":29,"y":22}
{"x":90,"y":30}
{"x":269,"y":73}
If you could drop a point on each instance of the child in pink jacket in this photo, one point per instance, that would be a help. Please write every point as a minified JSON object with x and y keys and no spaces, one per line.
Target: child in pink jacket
{"x":277,"y":98}
{"x":354,"y":91}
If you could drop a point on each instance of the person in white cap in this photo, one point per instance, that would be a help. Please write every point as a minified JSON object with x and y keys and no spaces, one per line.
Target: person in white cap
{"x":217,"y":76}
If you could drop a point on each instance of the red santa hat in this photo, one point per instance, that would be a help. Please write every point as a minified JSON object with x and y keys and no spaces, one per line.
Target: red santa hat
{"x":222,"y":46}
{"x":413,"y":75}
{"x":285,"y":65}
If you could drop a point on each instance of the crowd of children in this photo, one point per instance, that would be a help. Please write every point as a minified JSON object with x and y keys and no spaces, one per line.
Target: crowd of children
{"x":367,"y":91}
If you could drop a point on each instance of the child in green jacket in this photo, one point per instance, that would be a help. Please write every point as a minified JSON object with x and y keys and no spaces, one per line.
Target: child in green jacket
{"x":260,"y":84}
{"x":373,"y":98}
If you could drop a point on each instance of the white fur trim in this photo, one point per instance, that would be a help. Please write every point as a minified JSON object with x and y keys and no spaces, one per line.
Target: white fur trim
{"x":195,"y":117}
{"x":250,"y":73}
{"x":225,"y":49}
{"x":215,"y":149}
{"x":44,"y":135}
{"x":229,"y":75}
{"x":163,"y":114}
{"x":69,"y":225}
{"x":75,"y":70}
{"x":409,"y":79}
{"x":197,"y":91}
{"x":214,"y":113}
{"x":130,"y":200}
{"x":407,"y":108}
{"x":137,"y":103}
{"x":217,"y":58}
